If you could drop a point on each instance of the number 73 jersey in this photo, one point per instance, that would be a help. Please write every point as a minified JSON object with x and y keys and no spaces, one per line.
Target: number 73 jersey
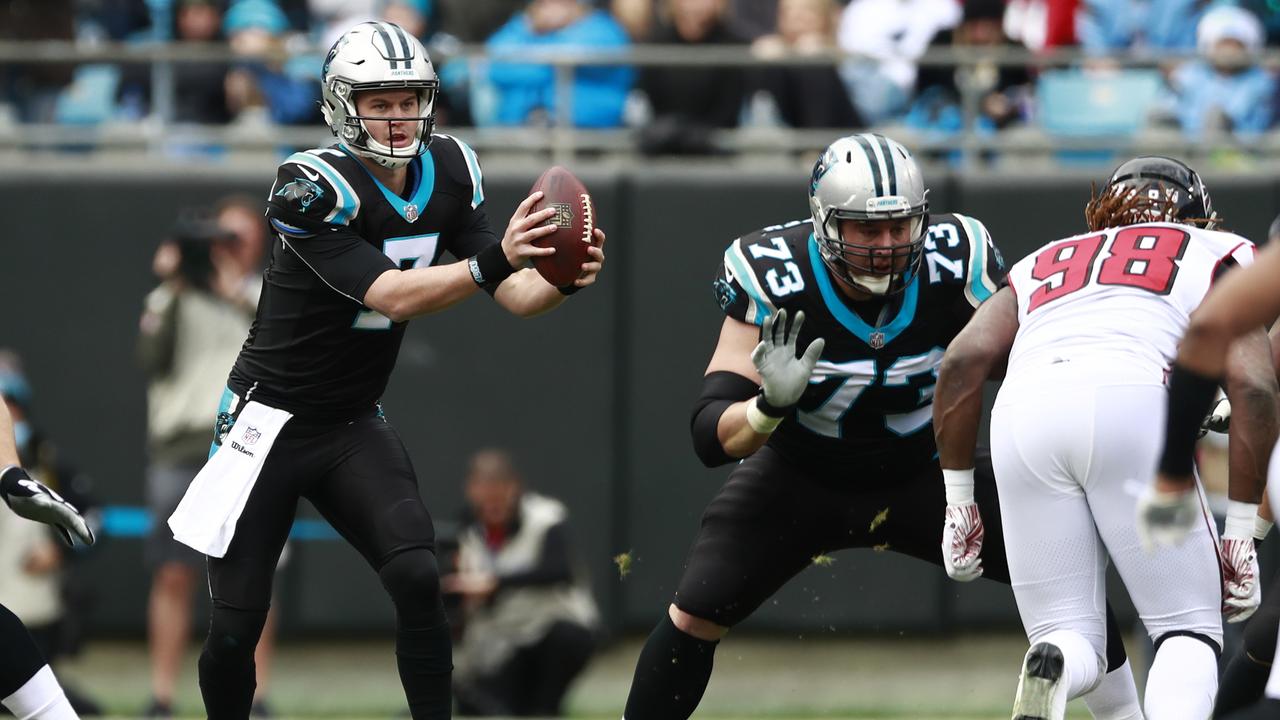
{"x":1118,"y":299}
{"x":870,"y":398}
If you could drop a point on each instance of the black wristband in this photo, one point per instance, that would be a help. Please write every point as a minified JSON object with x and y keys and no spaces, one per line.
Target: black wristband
{"x":773,"y":411}
{"x":489,"y":267}
{"x":1190,"y":398}
{"x":568,"y":289}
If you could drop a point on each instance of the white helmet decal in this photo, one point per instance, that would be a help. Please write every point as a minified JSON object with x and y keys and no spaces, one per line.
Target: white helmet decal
{"x":377,"y":56}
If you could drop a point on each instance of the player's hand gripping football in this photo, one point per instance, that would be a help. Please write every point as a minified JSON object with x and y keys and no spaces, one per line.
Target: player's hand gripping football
{"x":962,"y":535}
{"x":525,"y":227}
{"x":1167,"y":510}
{"x":32,"y":500}
{"x":784,"y":375}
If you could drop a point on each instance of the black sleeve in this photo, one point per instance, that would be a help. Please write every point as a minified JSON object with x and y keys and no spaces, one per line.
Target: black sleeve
{"x":471,"y":234}
{"x":342,"y":259}
{"x":553,"y":565}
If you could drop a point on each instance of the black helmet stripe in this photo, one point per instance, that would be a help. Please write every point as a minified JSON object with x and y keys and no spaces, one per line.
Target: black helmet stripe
{"x":876,"y":175}
{"x":889,"y":163}
{"x":404,"y":44}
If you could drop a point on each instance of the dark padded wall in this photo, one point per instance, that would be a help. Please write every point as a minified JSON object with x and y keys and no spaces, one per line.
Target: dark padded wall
{"x":593,"y":399}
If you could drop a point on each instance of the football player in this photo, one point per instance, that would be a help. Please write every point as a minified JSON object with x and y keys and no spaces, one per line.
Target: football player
{"x":1087,"y":327}
{"x":870,"y":290}
{"x":1236,"y":307}
{"x":28,"y":687}
{"x":361,"y":230}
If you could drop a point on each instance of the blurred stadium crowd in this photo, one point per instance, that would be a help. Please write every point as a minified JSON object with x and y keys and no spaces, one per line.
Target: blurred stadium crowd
{"x":1193,"y":68}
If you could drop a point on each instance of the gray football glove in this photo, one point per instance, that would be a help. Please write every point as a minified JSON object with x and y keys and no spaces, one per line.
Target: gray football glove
{"x":32,"y":500}
{"x":1219,"y":418}
{"x":1167,"y":518}
{"x":785,"y":376}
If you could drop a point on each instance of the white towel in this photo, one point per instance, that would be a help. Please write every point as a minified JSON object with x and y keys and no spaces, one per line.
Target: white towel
{"x":206,"y":518}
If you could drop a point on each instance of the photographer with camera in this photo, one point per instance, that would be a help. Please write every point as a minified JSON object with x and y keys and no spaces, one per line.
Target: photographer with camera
{"x":193,"y":324}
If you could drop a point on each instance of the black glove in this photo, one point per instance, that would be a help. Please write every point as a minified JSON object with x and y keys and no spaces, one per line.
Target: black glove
{"x":32,"y":500}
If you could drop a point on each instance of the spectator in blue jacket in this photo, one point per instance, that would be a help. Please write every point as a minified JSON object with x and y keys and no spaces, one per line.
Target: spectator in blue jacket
{"x":288,"y":93}
{"x":1226,"y":89}
{"x":526,"y":91}
{"x":1115,"y":26}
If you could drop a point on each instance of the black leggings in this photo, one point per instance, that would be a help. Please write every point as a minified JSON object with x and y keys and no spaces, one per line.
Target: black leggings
{"x":359,"y":477}
{"x":20,"y":659}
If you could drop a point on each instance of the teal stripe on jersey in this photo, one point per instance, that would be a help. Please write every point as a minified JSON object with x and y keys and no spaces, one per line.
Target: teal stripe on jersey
{"x":848,"y":318}
{"x":979,"y":284}
{"x":748,"y":282}
{"x":421,"y":195}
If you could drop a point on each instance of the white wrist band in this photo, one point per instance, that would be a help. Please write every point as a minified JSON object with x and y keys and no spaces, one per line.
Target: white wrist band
{"x":1240,"y":520}
{"x":1261,"y":526}
{"x":760,"y":422}
{"x":959,"y":485}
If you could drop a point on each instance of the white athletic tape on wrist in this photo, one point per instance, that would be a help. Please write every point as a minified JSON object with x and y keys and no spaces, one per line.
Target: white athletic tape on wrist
{"x":1261,"y":526}
{"x":760,"y":422}
{"x":959,"y":485}
{"x":1240,"y":520}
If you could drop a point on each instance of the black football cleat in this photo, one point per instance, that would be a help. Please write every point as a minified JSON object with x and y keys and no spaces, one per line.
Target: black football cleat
{"x":1041,"y":675}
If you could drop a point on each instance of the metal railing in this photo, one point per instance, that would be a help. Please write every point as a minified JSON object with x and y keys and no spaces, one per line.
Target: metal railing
{"x":561,"y":140}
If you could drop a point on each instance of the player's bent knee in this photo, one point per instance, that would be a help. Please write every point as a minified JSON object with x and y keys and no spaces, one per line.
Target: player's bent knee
{"x":696,"y":626}
{"x":1214,"y":645}
{"x":233,"y":634}
{"x":412,"y":579}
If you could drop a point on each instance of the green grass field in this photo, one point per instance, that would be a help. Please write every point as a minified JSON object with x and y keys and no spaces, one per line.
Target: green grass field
{"x":971,"y":677}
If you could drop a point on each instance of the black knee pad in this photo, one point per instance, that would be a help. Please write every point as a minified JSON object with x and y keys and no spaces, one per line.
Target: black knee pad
{"x":234,"y":633}
{"x":1260,"y":633}
{"x":1217,"y":649}
{"x":412,"y":579}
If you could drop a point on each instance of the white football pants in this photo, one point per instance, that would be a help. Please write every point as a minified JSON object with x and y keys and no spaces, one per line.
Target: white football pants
{"x":1070,"y":460}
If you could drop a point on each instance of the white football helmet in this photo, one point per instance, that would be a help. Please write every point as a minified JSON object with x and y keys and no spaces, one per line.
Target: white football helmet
{"x":377,"y":56}
{"x":868,"y":177}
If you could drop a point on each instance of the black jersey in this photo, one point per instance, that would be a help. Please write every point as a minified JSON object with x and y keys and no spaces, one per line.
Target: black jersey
{"x":870,"y":399}
{"x":314,"y":349}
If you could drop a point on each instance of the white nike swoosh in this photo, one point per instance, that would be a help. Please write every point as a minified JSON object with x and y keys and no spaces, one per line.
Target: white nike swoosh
{"x":311,"y":175}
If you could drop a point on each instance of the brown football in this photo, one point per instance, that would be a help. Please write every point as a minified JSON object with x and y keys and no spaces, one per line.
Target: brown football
{"x":575,"y":221}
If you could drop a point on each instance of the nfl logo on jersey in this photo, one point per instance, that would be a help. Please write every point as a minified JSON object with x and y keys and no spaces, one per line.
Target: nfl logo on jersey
{"x":410,"y":212}
{"x":877,"y":340}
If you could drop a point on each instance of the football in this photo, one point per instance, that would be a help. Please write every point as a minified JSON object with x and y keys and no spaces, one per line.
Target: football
{"x":575,"y":221}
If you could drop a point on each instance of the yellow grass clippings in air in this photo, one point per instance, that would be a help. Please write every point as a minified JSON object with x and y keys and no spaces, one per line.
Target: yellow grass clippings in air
{"x":881,"y":547}
{"x":878,"y":520}
{"x":823,"y":560}
{"x":623,"y":561}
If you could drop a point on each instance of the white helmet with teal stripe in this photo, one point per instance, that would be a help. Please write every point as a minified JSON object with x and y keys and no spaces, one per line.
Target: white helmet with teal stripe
{"x":868,"y":178}
{"x":377,"y":56}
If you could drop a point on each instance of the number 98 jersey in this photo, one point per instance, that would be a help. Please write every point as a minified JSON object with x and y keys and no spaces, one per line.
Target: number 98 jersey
{"x":870,"y":399}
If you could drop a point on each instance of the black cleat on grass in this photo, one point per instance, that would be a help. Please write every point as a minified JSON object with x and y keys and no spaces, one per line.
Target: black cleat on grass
{"x":1041,"y":674}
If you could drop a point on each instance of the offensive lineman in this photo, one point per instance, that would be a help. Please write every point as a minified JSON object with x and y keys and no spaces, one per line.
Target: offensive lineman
{"x":28,"y":687}
{"x":1088,"y":326}
{"x":362,"y":226}
{"x":872,"y":288}
{"x":1237,"y":306}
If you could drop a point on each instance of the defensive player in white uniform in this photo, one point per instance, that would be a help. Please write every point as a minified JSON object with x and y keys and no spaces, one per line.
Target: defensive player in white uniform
{"x":1234,"y":308}
{"x":1089,"y":326}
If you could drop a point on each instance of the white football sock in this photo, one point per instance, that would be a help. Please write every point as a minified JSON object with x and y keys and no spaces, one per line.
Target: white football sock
{"x":1116,"y":696}
{"x":41,"y":698}
{"x":1183,"y":680}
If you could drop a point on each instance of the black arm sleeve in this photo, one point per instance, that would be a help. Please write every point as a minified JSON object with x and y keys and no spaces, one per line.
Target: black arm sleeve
{"x":471,"y":235}
{"x":1190,"y":397}
{"x":719,"y":390}
{"x":342,"y":259}
{"x":554,"y":566}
